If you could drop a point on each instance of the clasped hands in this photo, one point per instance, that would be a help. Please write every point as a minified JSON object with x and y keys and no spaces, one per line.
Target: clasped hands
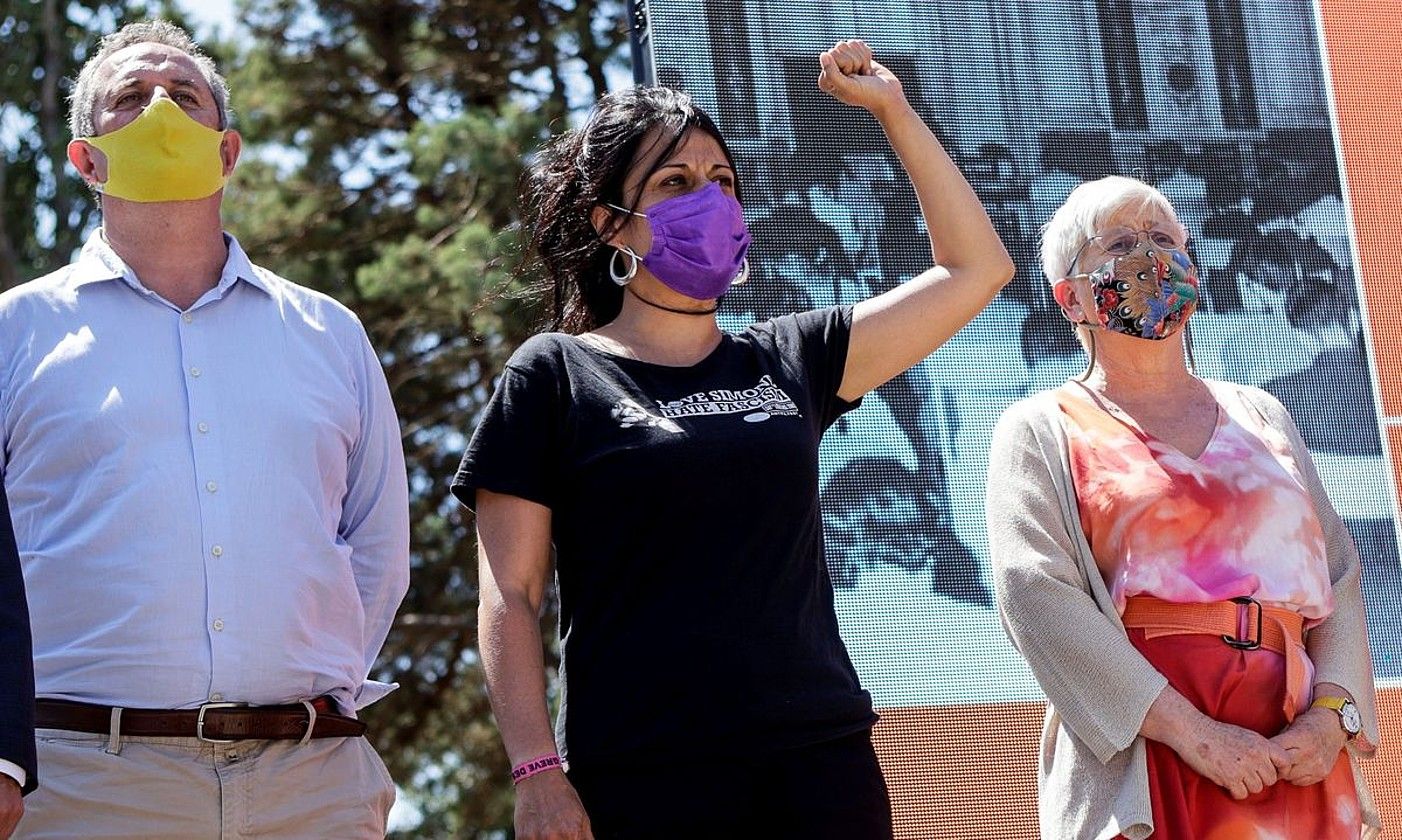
{"x":1245,"y":762}
{"x":1312,"y":745}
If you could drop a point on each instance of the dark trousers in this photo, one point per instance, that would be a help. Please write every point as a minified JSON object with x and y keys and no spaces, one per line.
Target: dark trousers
{"x":828,"y":791}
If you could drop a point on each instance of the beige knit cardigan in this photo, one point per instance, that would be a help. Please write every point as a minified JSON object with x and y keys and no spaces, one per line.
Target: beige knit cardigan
{"x":1093,"y":779}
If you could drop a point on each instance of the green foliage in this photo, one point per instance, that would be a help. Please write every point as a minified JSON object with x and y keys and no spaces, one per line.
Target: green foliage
{"x":384,"y":142}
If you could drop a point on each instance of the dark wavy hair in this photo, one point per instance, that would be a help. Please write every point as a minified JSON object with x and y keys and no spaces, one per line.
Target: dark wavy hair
{"x":582,"y":169}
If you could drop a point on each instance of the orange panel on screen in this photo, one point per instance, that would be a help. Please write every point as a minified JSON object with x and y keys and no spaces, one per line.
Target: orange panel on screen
{"x":962,"y":772}
{"x":1367,"y":94}
{"x":1394,"y":444}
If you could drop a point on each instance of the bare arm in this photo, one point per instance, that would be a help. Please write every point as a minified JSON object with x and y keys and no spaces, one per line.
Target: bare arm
{"x":513,"y":546}
{"x":513,"y":543}
{"x":11,"y":806}
{"x":893,"y":331}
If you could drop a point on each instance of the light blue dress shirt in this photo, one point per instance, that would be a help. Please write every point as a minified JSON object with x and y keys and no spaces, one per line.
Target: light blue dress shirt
{"x":210,"y":504}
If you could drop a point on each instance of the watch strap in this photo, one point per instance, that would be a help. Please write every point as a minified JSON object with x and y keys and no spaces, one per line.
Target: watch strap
{"x":1337,"y":704}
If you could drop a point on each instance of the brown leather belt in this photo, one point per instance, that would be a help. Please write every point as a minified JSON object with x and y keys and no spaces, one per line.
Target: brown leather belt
{"x":212,"y":722}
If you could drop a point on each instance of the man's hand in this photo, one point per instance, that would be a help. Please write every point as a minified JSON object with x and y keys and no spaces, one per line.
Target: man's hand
{"x":547,"y":808}
{"x":1313,"y":743}
{"x":11,"y":806}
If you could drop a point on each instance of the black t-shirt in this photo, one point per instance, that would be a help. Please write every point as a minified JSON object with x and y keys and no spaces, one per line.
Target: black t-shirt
{"x":696,"y":614}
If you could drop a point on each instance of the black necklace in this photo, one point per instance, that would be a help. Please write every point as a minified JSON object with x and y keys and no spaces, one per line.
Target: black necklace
{"x":664,"y":308}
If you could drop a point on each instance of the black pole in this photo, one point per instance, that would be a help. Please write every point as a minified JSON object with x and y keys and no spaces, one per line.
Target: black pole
{"x":639,"y":43}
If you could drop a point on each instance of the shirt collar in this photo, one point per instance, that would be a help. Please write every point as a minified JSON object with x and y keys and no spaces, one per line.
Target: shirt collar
{"x":239,"y":267}
{"x":98,"y":262}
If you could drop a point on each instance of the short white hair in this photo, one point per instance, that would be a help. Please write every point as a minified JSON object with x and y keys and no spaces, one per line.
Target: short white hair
{"x":1078,"y":219}
{"x":82,"y":102}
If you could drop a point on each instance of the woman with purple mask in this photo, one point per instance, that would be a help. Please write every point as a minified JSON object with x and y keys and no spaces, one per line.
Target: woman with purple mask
{"x":673,"y":470}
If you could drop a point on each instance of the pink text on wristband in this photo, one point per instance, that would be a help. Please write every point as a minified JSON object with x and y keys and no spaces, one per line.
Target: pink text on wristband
{"x":527,"y":769}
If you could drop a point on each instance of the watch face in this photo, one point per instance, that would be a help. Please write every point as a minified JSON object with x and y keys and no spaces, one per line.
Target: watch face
{"x":1352,"y":721}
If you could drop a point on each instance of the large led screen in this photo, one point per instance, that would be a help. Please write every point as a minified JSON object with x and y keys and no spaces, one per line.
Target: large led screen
{"x":1226,"y":106}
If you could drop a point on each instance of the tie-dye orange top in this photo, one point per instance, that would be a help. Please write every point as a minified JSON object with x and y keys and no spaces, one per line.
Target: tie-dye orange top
{"x":1235,"y":521}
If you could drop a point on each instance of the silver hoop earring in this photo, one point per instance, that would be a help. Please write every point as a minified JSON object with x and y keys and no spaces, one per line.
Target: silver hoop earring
{"x":626,"y":277}
{"x":744,"y":275}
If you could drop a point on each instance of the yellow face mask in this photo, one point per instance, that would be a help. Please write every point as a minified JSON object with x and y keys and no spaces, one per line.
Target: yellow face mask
{"x":162,"y":155}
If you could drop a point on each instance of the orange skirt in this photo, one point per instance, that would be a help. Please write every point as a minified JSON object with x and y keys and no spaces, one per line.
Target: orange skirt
{"x":1244,"y":688}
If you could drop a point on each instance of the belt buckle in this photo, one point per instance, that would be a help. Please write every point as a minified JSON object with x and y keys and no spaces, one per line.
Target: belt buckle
{"x":1244,"y":605}
{"x":199,"y":722}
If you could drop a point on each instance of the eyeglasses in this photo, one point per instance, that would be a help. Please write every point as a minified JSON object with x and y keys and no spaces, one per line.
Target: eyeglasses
{"x":1120,"y":240}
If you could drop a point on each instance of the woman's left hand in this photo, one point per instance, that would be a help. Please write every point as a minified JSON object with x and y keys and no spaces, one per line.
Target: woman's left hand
{"x":850,"y":74}
{"x":1313,"y":742}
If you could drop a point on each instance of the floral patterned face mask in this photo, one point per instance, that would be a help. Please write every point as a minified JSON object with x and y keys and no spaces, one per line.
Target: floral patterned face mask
{"x":1148,"y":292}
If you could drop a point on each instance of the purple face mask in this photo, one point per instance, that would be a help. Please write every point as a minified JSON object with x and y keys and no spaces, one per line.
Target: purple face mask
{"x":699,"y":242}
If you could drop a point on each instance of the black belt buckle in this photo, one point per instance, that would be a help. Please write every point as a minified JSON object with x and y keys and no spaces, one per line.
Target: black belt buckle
{"x":1244,"y":605}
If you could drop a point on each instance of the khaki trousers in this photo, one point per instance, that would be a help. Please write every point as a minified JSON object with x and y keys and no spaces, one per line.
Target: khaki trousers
{"x":185,"y":789}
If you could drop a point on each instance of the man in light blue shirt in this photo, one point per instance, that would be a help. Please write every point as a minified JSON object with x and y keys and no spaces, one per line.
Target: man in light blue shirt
{"x":207,"y":484}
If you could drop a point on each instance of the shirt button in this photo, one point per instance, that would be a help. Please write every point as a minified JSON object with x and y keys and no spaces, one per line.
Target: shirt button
{"x":194,"y":371}
{"x":216,"y":697}
{"x":211,"y":486}
{"x":218,"y":624}
{"x":203,"y":427}
{"x":187,"y":317}
{"x":217,"y":551}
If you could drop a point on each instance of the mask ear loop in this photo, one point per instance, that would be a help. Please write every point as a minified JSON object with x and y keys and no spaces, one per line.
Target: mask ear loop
{"x":623,"y":278}
{"x":1188,"y":347}
{"x":1075,"y":330}
{"x":1090,"y":366}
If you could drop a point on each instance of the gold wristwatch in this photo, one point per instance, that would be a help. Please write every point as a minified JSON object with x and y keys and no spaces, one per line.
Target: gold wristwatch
{"x":1349,"y":718}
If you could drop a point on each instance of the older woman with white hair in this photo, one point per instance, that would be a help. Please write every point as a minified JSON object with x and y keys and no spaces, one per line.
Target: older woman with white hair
{"x":1168,"y":563}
